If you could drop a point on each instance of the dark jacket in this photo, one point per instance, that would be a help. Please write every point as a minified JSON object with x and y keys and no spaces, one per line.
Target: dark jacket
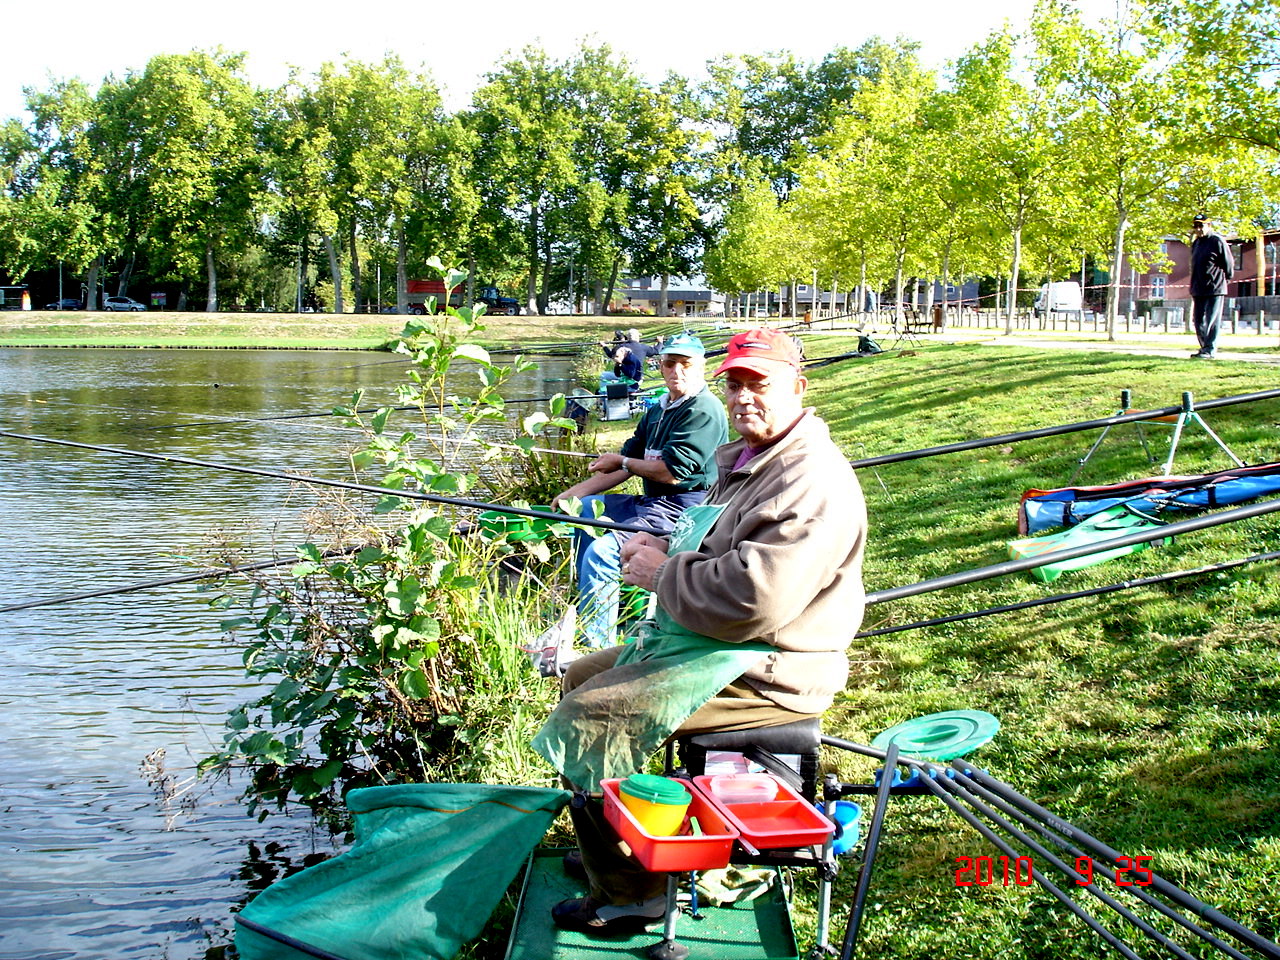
{"x":1211,"y":266}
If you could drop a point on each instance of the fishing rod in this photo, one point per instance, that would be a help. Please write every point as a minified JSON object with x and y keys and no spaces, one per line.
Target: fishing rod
{"x":1048,"y":825}
{"x":339,"y":484}
{"x":1097,"y":849}
{"x":1048,"y":885}
{"x":165,"y":582}
{"x":966,"y":786}
{"x":1077,"y":595}
{"x":1043,"y":854}
{"x":1070,"y":553}
{"x":401,"y":407}
{"x":1059,"y":430}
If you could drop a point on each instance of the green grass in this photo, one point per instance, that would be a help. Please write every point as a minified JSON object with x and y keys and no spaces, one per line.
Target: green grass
{"x":1150,"y":717}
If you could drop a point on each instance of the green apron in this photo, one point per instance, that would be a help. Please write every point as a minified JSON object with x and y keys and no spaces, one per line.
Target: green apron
{"x":609,"y":726}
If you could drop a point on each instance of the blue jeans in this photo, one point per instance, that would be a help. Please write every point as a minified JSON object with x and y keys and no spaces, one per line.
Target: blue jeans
{"x":1207,"y":316}
{"x":599,"y":559}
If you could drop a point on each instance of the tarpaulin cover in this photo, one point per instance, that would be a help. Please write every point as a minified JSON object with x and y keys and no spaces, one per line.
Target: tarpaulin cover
{"x":1043,"y":509}
{"x":1108,"y":525}
{"x":429,"y":864}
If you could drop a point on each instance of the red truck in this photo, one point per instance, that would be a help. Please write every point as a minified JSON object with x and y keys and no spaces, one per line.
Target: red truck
{"x":418,"y":292}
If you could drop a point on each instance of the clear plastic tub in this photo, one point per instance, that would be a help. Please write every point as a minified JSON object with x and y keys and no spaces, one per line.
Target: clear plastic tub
{"x":784,"y":819}
{"x":743,"y":787}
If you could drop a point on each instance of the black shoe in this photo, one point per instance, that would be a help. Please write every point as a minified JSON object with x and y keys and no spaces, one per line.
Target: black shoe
{"x":1201,"y":355}
{"x":586,"y":915}
{"x":573,"y":867}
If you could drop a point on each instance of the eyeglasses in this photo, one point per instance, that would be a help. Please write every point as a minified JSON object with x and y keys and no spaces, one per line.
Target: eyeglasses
{"x":757,"y":388}
{"x":670,"y":363}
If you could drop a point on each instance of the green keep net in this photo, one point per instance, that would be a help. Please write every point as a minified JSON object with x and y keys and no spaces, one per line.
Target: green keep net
{"x":430,"y":863}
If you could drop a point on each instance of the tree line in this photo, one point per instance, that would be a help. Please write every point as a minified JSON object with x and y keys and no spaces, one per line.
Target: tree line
{"x":1030,"y":154}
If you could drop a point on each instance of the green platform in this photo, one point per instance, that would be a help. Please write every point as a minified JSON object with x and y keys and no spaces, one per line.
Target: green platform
{"x":759,"y":930}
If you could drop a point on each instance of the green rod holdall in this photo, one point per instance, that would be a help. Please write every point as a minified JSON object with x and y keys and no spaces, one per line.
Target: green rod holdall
{"x":1111,"y":523}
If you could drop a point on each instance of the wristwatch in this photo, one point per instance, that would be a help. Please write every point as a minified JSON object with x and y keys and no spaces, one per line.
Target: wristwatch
{"x":626,"y":467}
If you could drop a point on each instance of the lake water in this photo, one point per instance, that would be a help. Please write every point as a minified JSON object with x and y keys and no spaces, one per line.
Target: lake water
{"x":97,"y":862}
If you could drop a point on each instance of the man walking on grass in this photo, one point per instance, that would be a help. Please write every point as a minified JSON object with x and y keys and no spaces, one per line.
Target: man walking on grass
{"x":1211,"y":267}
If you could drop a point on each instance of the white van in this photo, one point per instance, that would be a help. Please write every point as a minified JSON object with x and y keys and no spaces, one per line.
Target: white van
{"x":1063,"y":296}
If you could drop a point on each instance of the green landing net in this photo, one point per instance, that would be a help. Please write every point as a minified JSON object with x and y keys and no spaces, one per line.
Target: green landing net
{"x":430,"y":863}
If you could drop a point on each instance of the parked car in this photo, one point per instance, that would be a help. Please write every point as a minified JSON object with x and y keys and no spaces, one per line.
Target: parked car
{"x":66,"y":303}
{"x":121,"y":303}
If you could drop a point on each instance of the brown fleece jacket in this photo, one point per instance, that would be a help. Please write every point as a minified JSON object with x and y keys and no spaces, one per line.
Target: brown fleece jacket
{"x":782,"y":564}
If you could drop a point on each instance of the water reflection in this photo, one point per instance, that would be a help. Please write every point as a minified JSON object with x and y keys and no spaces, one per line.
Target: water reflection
{"x":97,"y":864}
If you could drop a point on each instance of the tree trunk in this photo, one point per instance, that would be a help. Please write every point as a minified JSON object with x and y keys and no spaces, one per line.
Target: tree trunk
{"x":663,"y":309}
{"x":182,"y":300}
{"x":531,"y":289}
{"x":946,"y":279}
{"x":122,"y":286}
{"x":211,"y":275}
{"x":862,"y":287}
{"x":357,"y":288}
{"x":1013,"y":280}
{"x":335,"y":271}
{"x":402,"y":273}
{"x":91,"y":285}
{"x":1113,"y":288}
{"x":544,"y":295}
{"x":794,"y":298}
{"x":471,"y":278}
{"x":897,"y":284}
{"x":607,"y":293}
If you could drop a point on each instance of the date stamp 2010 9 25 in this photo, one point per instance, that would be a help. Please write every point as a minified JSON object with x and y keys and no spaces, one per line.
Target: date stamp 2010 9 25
{"x":1002,"y":871}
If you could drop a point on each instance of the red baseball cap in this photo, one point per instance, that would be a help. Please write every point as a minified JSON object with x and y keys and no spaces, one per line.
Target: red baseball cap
{"x":761,"y":351}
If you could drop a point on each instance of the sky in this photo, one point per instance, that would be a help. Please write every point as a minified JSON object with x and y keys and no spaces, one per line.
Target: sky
{"x":462,"y":40}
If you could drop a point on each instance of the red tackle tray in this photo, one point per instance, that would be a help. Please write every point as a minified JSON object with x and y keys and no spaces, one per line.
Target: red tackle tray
{"x":788,"y":820}
{"x":684,"y":851}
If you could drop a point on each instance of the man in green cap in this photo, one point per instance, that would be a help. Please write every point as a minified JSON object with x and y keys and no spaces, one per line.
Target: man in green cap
{"x":673,"y":453}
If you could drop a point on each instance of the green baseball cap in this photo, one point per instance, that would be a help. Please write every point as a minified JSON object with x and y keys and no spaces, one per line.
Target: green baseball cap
{"x":684,"y":345}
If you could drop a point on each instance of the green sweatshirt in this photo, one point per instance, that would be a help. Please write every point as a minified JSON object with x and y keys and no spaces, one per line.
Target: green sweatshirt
{"x":684,"y":436}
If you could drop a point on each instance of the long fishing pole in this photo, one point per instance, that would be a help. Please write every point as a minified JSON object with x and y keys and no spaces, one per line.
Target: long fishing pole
{"x":401,"y":407}
{"x":991,"y":788}
{"x":164,"y":582}
{"x":145,"y":585}
{"x":1076,"y":595}
{"x":1070,"y":553}
{"x":955,"y":782}
{"x":1097,"y":848}
{"x":1059,"y":430}
{"x":1048,"y":885}
{"x":340,"y":484}
{"x":1043,"y":854}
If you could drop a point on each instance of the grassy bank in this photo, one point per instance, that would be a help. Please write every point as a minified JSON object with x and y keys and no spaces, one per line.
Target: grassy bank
{"x":1150,"y":717}
{"x":346,"y":331}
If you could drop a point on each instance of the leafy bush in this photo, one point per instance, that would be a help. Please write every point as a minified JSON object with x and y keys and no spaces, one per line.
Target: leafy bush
{"x":393,"y":647}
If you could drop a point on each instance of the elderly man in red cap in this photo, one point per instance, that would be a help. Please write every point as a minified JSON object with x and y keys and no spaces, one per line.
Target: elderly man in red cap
{"x":759,"y":593}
